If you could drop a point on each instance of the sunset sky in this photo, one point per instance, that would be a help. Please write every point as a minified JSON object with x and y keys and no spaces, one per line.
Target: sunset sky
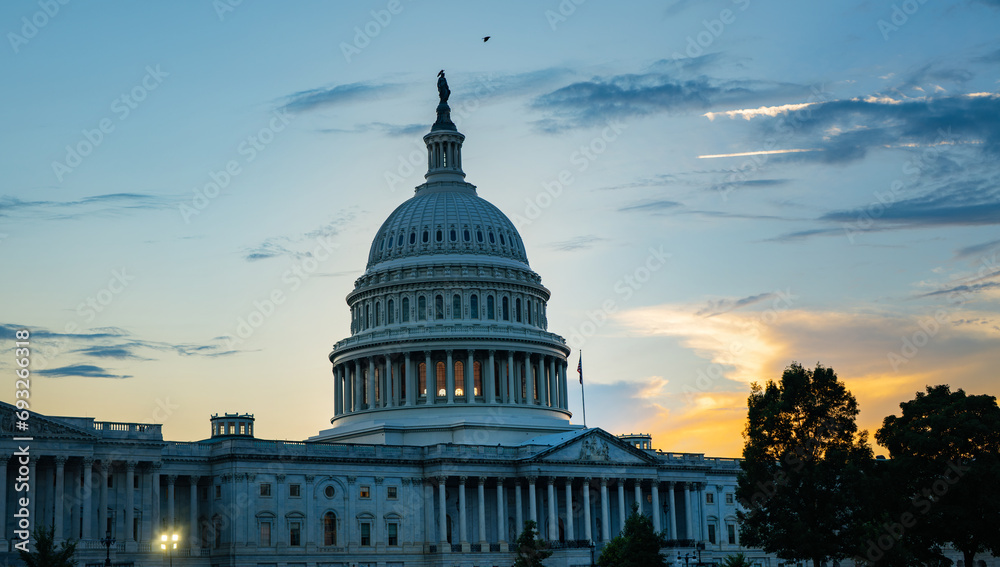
{"x":711,"y":190}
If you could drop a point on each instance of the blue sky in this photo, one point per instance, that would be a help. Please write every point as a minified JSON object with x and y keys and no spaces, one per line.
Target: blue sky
{"x":711,"y":190}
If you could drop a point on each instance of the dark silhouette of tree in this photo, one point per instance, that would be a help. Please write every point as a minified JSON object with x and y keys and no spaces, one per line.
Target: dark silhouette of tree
{"x":945,"y":459}
{"x":736,"y":560}
{"x":530,"y":551}
{"x":637,"y":546}
{"x":46,"y":553}
{"x":804,"y":462}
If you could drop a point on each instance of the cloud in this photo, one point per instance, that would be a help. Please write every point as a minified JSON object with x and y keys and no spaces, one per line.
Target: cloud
{"x":314,"y":99}
{"x":977,"y":249}
{"x":577,"y":243}
{"x":109,"y":203}
{"x":118,"y":351}
{"x":300,"y":246}
{"x":649,"y":206}
{"x":720,"y":306}
{"x":80,"y":370}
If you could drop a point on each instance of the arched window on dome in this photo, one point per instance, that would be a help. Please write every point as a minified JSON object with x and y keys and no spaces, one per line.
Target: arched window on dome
{"x":479,"y":236}
{"x":517,"y":309}
{"x":474,"y":306}
{"x":442,"y":380}
{"x":545,"y":318}
{"x":530,"y":307}
{"x":378,"y":314}
{"x":422,"y":379}
{"x":421,"y":308}
{"x":456,"y":306}
{"x":426,"y":237}
{"x":390,"y":241}
{"x":477,"y":378}
{"x":413,"y":238}
{"x":439,"y":236}
{"x":503,"y":241}
{"x":490,"y":308}
{"x":459,"y":378}
{"x":438,"y":307}
{"x":404,"y":315}
{"x":329,"y":529}
{"x":390,"y":315}
{"x":493,"y":239}
{"x":505,"y":309}
{"x":399,"y":240}
{"x":453,"y":235}
{"x":368,"y":315}
{"x":466,"y":236}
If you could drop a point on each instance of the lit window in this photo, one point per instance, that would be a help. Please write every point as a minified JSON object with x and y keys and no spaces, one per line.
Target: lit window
{"x":442,"y":380}
{"x":477,"y":378}
{"x":329,"y":528}
{"x":422,"y":379}
{"x":366,"y":491}
{"x":459,"y":378}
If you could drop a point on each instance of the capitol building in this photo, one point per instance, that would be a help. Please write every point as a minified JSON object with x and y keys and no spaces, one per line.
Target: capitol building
{"x":450,"y":430}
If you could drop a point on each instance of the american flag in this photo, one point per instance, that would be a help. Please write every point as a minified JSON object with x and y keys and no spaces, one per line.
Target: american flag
{"x":579,"y":367}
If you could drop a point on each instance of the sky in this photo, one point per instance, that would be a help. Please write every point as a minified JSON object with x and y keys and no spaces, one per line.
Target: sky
{"x":711,"y":190}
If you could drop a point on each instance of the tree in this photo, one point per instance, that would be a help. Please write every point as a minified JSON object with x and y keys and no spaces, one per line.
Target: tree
{"x":531,"y":551}
{"x":736,"y":560}
{"x":804,"y":462}
{"x":46,"y":554}
{"x":945,"y":455}
{"x":637,"y":546}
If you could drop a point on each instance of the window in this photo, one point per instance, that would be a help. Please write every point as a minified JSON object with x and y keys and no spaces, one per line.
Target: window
{"x":294,"y":490}
{"x":295,"y":534}
{"x":391,"y":492}
{"x":493,"y":239}
{"x":368,"y":315}
{"x":405,"y":315}
{"x":506,"y":309}
{"x":474,"y":306}
{"x":218,"y":491}
{"x":366,"y":534}
{"x":438,"y":307}
{"x":453,"y":235}
{"x":729,"y":498}
{"x":329,"y":528}
{"x":477,"y":378}
{"x":490,"y":307}
{"x":265,"y":534}
{"x":111,"y":479}
{"x":442,"y":380}
{"x":421,"y":308}
{"x":711,"y":533}
{"x":709,"y":498}
{"x":731,"y":528}
{"x":479,"y":236}
{"x":399,"y":240}
{"x":392,"y":534}
{"x":265,"y":489}
{"x":391,"y":315}
{"x":135,"y":481}
{"x":426,"y":237}
{"x":422,"y":379}
{"x":466,"y":236}
{"x":529,"y":305}
{"x":459,"y":378}
{"x":366,"y":491}
{"x":517,"y":309}
{"x":503,"y":241}
{"x":217,"y":528}
{"x":378,"y":311}
{"x":456,"y":306}
{"x":439,"y":236}
{"x":413,"y":237}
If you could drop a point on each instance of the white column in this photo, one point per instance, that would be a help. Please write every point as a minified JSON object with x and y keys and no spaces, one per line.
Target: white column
{"x":570,"y":532}
{"x":532,"y":501}
{"x":155,"y":480}
{"x":518,"y":509}
{"x":621,"y":505}
{"x":543,"y":382}
{"x":656,"y":506}
{"x":553,"y":525}
{"x":129,"y":501}
{"x":370,"y":397}
{"x":171,"y":519}
{"x":442,"y":516}
{"x":501,"y":513}
{"x":490,"y":377}
{"x":430,"y":384}
{"x":510,"y":379}
{"x":428,"y":511}
{"x":482,"y":512}
{"x":673,"y":510}
{"x":359,"y":387}
{"x":192,"y":534}
{"x":449,"y":374}
{"x":60,"y":496}
{"x":587,"y":534}
{"x":463,"y":537}
{"x":703,"y":524}
{"x":470,"y":378}
{"x":338,"y":395}
{"x":102,"y":514}
{"x":688,"y":525}
{"x":411,"y":381}
{"x":638,"y":493}
{"x":392,"y":390}
{"x":553,"y":390}
{"x":88,"y":500}
{"x":529,"y":381}
{"x":385,"y":384}
{"x":605,"y":523}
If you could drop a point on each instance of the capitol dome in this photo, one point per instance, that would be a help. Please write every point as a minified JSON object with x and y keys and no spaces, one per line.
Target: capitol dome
{"x":449,"y":332}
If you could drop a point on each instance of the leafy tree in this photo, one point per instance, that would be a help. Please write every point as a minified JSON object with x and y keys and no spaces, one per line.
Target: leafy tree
{"x":46,"y":554}
{"x":736,"y":560}
{"x":945,"y":450}
{"x":804,"y":462}
{"x":531,"y":551}
{"x":637,"y":546}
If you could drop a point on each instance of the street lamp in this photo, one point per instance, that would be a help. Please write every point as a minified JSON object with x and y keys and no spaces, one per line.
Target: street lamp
{"x":169,"y":544}
{"x":107,"y":541}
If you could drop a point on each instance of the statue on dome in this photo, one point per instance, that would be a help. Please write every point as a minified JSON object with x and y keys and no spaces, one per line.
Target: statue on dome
{"x":443,"y":91}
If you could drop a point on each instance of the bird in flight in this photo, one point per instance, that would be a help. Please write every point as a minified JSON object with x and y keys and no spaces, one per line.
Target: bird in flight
{"x":485,"y":39}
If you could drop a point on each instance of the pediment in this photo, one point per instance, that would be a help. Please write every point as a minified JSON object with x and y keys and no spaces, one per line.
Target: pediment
{"x":39,"y":427}
{"x":595,"y":446}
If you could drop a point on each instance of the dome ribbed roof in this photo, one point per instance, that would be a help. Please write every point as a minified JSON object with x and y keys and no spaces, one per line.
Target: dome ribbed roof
{"x":451,"y":221}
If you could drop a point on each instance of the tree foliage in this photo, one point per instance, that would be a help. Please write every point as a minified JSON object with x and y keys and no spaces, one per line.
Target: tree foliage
{"x":945,"y":463}
{"x":46,"y":553}
{"x":530,"y":550}
{"x":736,"y":560}
{"x":804,"y":466}
{"x":637,"y":546}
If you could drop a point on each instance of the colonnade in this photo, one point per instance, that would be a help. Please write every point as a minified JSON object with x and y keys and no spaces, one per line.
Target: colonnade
{"x":449,"y":376}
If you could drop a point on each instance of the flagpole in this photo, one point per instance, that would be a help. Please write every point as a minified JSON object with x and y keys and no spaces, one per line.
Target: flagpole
{"x":583,"y":394}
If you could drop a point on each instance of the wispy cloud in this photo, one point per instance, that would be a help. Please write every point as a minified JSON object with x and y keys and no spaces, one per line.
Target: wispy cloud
{"x":577,"y":243}
{"x":80,"y":371}
{"x":650,"y":206}
{"x":977,"y":249}
{"x":314,"y":99}
{"x":302,"y":245}
{"x":725,"y":305}
{"x":110,"y":203}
